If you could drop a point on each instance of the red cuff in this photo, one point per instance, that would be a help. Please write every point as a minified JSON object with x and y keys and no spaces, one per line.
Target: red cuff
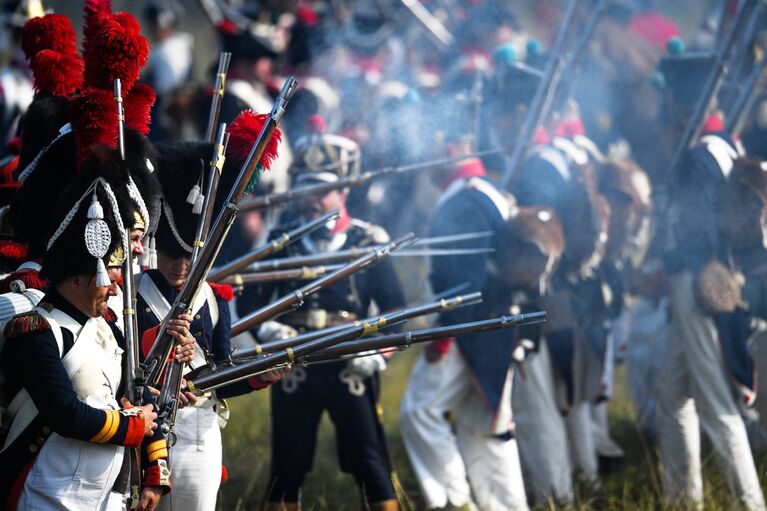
{"x":154,"y":476}
{"x":442,"y":345}
{"x":256,"y":383}
{"x":135,"y":434}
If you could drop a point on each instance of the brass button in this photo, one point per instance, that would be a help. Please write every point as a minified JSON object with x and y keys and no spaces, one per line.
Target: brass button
{"x":40,"y":440}
{"x":46,"y":430}
{"x":198,"y":334}
{"x":198,"y":317}
{"x":148,"y":310}
{"x":32,"y":448}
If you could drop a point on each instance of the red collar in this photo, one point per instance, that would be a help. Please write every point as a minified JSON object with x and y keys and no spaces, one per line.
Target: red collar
{"x":343,"y":222}
{"x":472,"y":167}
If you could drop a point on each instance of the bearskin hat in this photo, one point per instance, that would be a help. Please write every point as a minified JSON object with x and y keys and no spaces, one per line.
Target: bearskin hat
{"x":88,"y":221}
{"x":182,"y":173}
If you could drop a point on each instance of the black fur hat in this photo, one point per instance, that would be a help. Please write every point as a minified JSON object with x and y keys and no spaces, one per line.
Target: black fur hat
{"x":68,"y":255}
{"x":182,"y":166}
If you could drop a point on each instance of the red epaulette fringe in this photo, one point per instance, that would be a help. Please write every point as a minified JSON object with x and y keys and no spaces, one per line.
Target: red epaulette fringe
{"x":28,"y":322}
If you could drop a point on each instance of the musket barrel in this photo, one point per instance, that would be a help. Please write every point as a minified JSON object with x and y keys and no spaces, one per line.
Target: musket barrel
{"x":405,"y":339}
{"x":270,"y":248}
{"x":313,"y":350}
{"x":276,"y":199}
{"x":296,"y":297}
{"x":218,"y":95}
{"x":397,"y":316}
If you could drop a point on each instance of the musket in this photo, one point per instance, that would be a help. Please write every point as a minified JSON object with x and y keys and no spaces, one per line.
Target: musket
{"x":132,"y":375}
{"x":713,"y":83}
{"x":342,"y":256}
{"x":210,"y":190}
{"x":157,"y":357}
{"x":227,"y":274}
{"x":218,"y":96}
{"x":432,"y":25}
{"x":440,"y":305}
{"x":406,"y":339}
{"x":275,"y":199}
{"x":328,"y":347}
{"x":239,"y":280}
{"x":736,"y":117}
{"x":267,"y":249}
{"x":296,"y":298}
{"x":563,"y":93}
{"x":741,"y":52}
{"x":536,"y":110}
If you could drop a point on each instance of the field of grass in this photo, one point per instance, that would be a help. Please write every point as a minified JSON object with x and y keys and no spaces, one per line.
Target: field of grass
{"x":634,"y":484}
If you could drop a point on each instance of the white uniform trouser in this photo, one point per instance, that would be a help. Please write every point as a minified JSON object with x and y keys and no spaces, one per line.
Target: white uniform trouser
{"x":541,"y":435}
{"x":72,"y":474}
{"x":195,"y":461}
{"x":450,"y":469}
{"x":693,"y":387}
{"x":648,"y":338}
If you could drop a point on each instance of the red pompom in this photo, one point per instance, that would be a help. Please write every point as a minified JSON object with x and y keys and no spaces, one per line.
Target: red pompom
{"x":316,"y":124}
{"x":243,"y":133}
{"x":94,"y":121}
{"x":49,"y":32}
{"x":227,"y":27}
{"x":31,"y":279}
{"x":222,"y":291}
{"x":224,"y":474}
{"x":306,"y":15}
{"x":138,"y":107}
{"x":60,"y":74}
{"x":116,"y":50}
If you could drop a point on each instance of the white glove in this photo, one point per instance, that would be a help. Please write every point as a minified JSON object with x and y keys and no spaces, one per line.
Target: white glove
{"x":367,"y":363}
{"x":274,"y":331}
{"x":524,"y":347}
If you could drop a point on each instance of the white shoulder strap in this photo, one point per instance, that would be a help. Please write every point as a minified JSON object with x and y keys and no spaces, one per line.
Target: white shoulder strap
{"x":722,"y":152}
{"x":22,"y":408}
{"x":492,"y":193}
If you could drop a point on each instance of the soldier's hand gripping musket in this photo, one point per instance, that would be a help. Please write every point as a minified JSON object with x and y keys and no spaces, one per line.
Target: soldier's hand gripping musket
{"x":328,"y":348}
{"x":157,"y":356}
{"x":297,"y":297}
{"x":267,"y":249}
{"x":276,"y":199}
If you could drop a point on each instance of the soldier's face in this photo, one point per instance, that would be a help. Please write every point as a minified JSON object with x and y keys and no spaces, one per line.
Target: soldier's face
{"x":174,"y":269}
{"x":94,"y":297}
{"x":136,"y":247}
{"x":317,"y":205}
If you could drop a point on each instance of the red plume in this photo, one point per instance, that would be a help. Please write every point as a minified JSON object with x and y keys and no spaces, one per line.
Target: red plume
{"x":60,"y":74}
{"x":49,"y":32}
{"x":96,"y":11}
{"x":138,"y":107}
{"x":94,"y":121}
{"x":116,"y":50}
{"x":243,"y":133}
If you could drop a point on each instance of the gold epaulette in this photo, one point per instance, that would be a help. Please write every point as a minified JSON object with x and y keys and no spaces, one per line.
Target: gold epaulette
{"x":25,"y":323}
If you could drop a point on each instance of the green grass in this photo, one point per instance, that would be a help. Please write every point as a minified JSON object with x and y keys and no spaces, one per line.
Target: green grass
{"x":635,"y":484}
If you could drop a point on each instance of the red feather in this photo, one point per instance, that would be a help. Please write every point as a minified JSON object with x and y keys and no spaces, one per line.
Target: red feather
{"x":94,"y":121}
{"x":138,"y":107}
{"x":243,"y":133}
{"x":96,"y":11}
{"x":116,"y":50}
{"x":223,"y":291}
{"x":49,"y":32}
{"x":56,"y":73}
